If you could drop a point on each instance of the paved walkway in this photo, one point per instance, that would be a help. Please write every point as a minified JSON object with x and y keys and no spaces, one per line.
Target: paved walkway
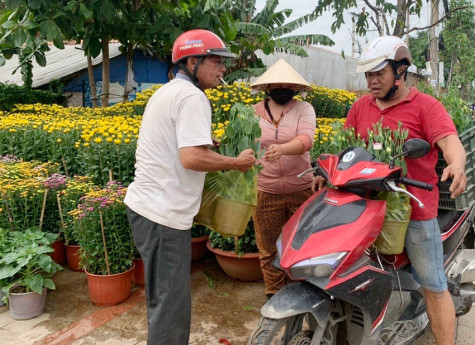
{"x":222,"y":308}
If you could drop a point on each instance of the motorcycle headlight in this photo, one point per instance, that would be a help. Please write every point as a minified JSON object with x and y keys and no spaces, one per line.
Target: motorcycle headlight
{"x":318,"y":267}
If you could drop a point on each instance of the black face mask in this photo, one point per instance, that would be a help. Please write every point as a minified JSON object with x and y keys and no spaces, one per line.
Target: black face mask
{"x":282,"y":95}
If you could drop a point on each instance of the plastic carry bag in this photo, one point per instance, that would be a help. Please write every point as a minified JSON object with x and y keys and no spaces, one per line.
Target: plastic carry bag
{"x":398,"y":214}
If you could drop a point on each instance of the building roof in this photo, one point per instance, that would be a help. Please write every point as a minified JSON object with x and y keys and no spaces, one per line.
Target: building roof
{"x":59,"y":63}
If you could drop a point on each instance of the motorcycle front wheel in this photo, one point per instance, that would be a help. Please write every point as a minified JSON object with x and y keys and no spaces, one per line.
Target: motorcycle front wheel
{"x":294,"y":330}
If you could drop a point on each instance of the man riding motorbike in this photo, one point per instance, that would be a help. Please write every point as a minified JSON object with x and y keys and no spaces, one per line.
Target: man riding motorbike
{"x":385,"y":62}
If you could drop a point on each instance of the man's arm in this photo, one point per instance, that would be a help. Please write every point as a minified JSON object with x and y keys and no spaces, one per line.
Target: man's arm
{"x":200,"y":158}
{"x":454,"y":155}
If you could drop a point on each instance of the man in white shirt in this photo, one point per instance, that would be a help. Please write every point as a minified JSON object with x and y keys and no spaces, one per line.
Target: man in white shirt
{"x":172,"y":159}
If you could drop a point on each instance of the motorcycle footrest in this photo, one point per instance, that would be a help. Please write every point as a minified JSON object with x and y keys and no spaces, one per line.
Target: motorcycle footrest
{"x":399,"y":333}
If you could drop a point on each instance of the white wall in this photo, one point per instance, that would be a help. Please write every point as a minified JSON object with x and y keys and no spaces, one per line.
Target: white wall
{"x":323,"y":68}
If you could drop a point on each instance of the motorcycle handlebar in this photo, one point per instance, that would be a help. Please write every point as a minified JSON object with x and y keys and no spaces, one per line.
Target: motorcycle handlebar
{"x":415,"y":183}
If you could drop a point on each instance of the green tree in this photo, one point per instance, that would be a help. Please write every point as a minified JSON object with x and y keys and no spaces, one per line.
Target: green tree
{"x":459,"y":52}
{"x":379,"y":13}
{"x":265,"y":30}
{"x":23,"y":35}
{"x":419,"y":46}
{"x":26,"y":26}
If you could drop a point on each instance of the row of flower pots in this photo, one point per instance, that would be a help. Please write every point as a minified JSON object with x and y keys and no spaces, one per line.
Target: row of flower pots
{"x":64,"y":253}
{"x":108,"y":290}
{"x":199,"y":246}
{"x":85,"y":215}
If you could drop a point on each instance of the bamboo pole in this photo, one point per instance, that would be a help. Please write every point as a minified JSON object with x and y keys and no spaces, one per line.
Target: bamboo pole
{"x":236,"y":244}
{"x":65,"y":166}
{"x":10,"y":217}
{"x":104,"y":243}
{"x":110,"y":176}
{"x":43,"y":207}
{"x":60,"y":212}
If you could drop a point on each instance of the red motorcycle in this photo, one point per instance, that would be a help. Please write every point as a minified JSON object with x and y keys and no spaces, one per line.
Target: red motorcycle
{"x":344,"y":291}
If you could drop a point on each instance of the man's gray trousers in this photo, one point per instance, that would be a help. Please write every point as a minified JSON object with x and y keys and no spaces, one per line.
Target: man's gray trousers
{"x":166,"y":254}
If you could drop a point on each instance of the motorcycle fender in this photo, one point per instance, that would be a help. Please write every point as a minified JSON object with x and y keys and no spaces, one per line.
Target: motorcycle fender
{"x":298,"y":298}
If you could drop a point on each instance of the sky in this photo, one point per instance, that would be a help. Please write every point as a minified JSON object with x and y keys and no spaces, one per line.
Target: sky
{"x":322,"y":25}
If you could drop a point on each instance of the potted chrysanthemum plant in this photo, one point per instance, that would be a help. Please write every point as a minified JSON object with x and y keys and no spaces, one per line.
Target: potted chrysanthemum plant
{"x":106,"y":243}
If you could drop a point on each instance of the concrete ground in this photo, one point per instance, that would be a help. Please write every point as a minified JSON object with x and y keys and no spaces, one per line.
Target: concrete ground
{"x":222,"y":309}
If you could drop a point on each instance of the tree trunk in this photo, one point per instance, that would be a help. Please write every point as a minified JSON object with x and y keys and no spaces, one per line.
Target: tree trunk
{"x":92,"y":82}
{"x":452,"y":61}
{"x":433,"y":44}
{"x":401,"y":18}
{"x":129,"y":73}
{"x":105,"y":72}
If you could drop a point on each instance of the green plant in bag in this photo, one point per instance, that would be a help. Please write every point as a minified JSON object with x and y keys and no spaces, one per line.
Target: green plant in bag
{"x":396,"y":220}
{"x":398,"y":206}
{"x":242,"y":132}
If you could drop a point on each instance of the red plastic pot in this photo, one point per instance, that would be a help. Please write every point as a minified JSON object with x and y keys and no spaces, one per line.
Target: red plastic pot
{"x":198,"y":247}
{"x":59,"y":254}
{"x":72,"y":253}
{"x":138,"y":277}
{"x":108,"y":290}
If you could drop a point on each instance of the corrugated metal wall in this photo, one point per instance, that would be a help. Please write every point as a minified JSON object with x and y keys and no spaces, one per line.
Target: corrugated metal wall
{"x":323,"y":68}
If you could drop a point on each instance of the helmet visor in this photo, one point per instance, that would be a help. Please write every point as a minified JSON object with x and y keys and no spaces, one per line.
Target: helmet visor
{"x":379,"y":67}
{"x":221,"y":52}
{"x":371,"y":65}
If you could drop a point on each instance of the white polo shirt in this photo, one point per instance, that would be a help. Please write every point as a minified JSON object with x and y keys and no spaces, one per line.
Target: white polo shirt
{"x":177,"y":115}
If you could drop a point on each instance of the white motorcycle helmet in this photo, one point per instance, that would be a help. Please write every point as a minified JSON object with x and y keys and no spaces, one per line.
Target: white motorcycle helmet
{"x":376,"y":55}
{"x":383,"y":50}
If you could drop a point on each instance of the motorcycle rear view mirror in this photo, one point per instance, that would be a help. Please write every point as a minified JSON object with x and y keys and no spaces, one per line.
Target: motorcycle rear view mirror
{"x":415,"y":148}
{"x":412,"y":148}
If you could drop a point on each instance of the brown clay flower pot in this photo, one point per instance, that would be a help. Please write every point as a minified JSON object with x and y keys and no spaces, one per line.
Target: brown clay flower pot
{"x":198,"y":247}
{"x":245,"y":268}
{"x":108,"y":290}
{"x":59,"y":254}
{"x":72,"y":253}
{"x":24,"y":306}
{"x":138,"y":277}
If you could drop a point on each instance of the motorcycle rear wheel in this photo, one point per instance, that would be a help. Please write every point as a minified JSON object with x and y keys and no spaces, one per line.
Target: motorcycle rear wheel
{"x":289,"y":331}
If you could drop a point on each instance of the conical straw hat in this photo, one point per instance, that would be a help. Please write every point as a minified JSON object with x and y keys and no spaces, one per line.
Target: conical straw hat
{"x":280,"y":73}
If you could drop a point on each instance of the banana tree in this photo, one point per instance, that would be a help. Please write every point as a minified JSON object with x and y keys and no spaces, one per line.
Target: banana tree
{"x":266,"y":30}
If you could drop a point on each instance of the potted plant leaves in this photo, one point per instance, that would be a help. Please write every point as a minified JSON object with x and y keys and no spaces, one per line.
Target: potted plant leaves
{"x":3,"y":249}
{"x":22,"y":195}
{"x":27,"y":198}
{"x":106,"y":244}
{"x":236,"y":191}
{"x":26,"y":270}
{"x":53,"y":185}
{"x":238,"y":258}
{"x":67,"y":200}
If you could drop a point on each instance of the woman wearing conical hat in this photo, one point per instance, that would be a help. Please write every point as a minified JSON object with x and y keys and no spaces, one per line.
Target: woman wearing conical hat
{"x":288,"y":128}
